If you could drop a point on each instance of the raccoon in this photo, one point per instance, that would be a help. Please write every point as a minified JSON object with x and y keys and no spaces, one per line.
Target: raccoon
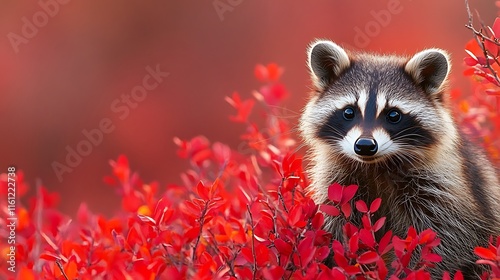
{"x":382,"y":122}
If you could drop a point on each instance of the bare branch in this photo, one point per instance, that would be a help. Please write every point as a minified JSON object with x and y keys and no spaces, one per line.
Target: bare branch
{"x":59,"y":265}
{"x":254,"y":267}
{"x":481,"y":37}
{"x":471,"y":18}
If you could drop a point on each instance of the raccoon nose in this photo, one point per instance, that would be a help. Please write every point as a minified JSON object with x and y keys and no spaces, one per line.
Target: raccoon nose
{"x":365,"y":147}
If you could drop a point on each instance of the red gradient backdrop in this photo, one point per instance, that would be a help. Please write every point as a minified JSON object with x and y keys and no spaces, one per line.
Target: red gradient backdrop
{"x":86,"y":54}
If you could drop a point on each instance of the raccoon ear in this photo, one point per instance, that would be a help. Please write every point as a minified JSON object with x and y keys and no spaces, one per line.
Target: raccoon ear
{"x":326,"y":62}
{"x":429,"y":69}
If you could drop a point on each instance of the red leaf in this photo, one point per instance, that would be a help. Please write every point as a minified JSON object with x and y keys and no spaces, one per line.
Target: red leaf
{"x":131,"y":202}
{"x":427,"y":236}
{"x":458,"y":274}
{"x":283,"y":247}
{"x":260,"y":72}
{"x":202,"y":191}
{"x":375,"y":205}
{"x":274,"y":71}
{"x":366,"y":237}
{"x":83,"y":214}
{"x":378,"y":224}
{"x":348,"y":193}
{"x":337,"y":247}
{"x":247,"y":254}
{"x":295,"y":215}
{"x":306,"y":250}
{"x":485,"y":253}
{"x":322,"y":253}
{"x":346,"y":209}
{"x":121,"y":168}
{"x":352,"y":270}
{"x":368,"y":257}
{"x":335,"y":192}
{"x":496,"y":27}
{"x":273,"y":273}
{"x":271,"y":72}
{"x":244,"y":108}
{"x":340,"y":260}
{"x":222,"y":153}
{"x":491,"y":47}
{"x":274,"y":94}
{"x":366,"y":222}
{"x":382,"y":269}
{"x":399,"y":244}
{"x":469,"y":61}
{"x":192,"y":233}
{"x":318,"y":221}
{"x":431,"y":257}
{"x":412,"y":233}
{"x":361,"y":206}
{"x":214,"y":189}
{"x":262,"y":254}
{"x":330,"y":210}
{"x":383,"y":245}
{"x":354,"y":243}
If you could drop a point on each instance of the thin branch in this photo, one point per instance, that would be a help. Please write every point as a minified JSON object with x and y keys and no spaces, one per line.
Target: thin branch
{"x":39,"y":223}
{"x":202,"y":222}
{"x":471,"y":18}
{"x":280,"y":194}
{"x":229,"y":263}
{"x":488,"y":64}
{"x":481,"y":38}
{"x":58,"y":262}
{"x":477,"y":33}
{"x":254,"y":268}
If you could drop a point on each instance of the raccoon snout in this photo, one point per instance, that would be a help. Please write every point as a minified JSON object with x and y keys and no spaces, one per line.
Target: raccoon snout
{"x":365,"y":147}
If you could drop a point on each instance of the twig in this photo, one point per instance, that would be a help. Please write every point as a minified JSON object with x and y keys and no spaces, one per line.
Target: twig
{"x":481,"y":38}
{"x":468,"y":12}
{"x":38,"y":221}
{"x":280,"y":195}
{"x":254,"y":268}
{"x":229,"y":263}
{"x":58,"y":262}
{"x":202,"y":221}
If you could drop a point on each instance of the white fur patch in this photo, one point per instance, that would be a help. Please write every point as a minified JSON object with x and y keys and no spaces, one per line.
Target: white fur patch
{"x":385,"y":145}
{"x":349,"y":140}
{"x":381,"y":101}
{"x":362,"y":100}
{"x":342,"y":101}
{"x":405,"y":107}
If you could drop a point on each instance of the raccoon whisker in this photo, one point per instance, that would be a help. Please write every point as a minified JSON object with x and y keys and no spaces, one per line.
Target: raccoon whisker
{"x":403,"y":131}
{"x":335,"y":130}
{"x":292,"y":114}
{"x":299,"y":147}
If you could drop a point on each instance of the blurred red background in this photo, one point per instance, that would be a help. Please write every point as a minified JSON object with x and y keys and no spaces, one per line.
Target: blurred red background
{"x":86,"y":54}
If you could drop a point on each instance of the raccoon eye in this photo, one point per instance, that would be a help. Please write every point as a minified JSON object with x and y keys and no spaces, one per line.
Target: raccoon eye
{"x":348,"y":113}
{"x":394,"y":116}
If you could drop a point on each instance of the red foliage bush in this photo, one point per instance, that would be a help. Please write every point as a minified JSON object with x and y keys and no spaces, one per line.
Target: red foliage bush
{"x":238,"y":215}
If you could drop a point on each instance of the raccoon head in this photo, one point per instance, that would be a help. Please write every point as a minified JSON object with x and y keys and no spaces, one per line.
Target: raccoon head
{"x":371,"y":108}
